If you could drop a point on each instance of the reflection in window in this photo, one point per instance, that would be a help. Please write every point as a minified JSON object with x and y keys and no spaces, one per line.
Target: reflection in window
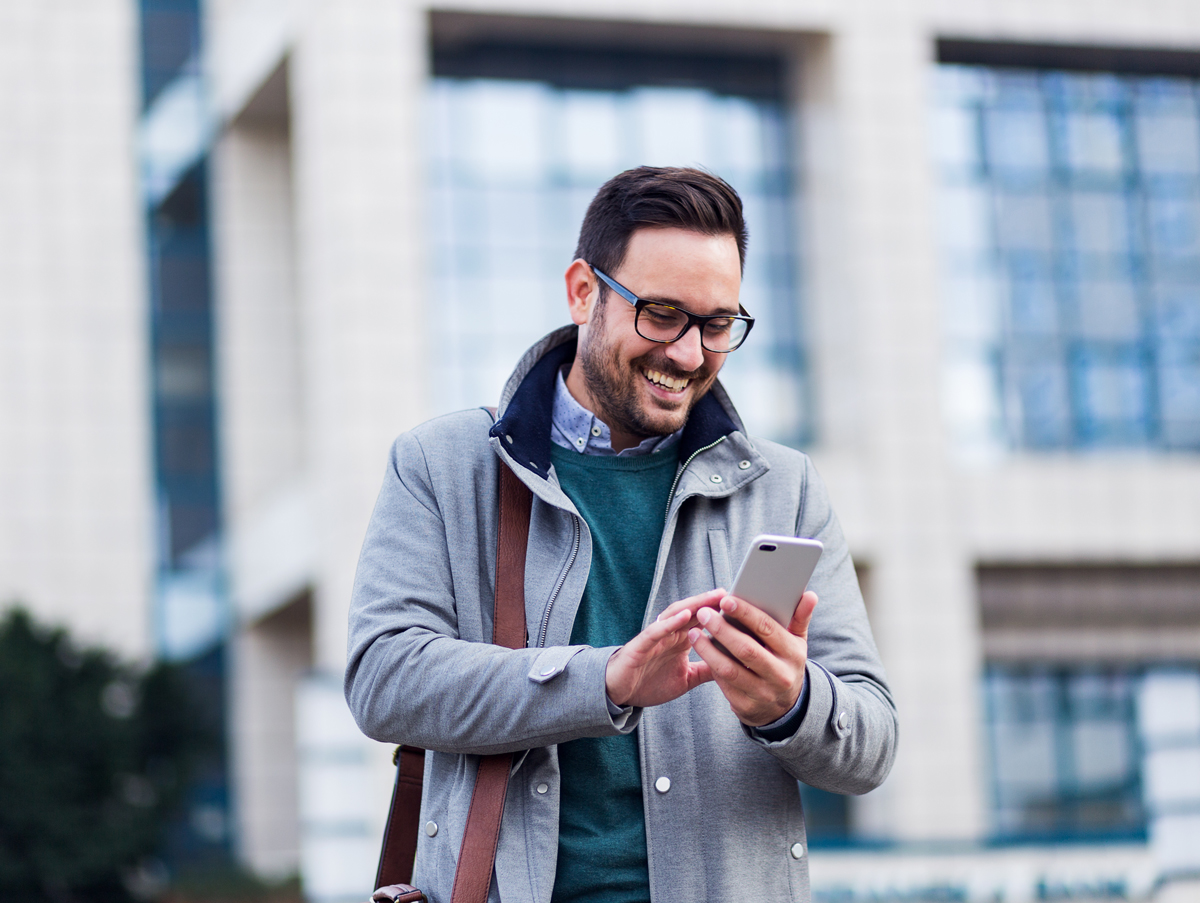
{"x":1072,"y":258}
{"x":514,"y":164}
{"x":1065,"y":753}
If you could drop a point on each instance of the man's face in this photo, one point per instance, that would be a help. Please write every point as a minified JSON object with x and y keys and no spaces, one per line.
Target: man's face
{"x":638,"y":387}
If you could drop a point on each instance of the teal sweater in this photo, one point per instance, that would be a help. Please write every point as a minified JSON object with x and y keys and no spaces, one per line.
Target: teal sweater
{"x":602,"y":829}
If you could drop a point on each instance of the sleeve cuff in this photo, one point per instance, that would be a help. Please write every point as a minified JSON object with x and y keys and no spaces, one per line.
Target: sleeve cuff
{"x":785,"y":727}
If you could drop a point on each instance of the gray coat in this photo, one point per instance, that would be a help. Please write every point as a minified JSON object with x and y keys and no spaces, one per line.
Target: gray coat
{"x":420,"y":671}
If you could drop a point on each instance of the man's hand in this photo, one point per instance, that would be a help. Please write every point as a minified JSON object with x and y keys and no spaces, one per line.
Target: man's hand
{"x":760,"y":672}
{"x":653,"y":667}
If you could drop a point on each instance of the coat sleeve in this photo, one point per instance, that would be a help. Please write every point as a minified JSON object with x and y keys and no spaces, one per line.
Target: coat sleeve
{"x":412,"y":675}
{"x":846,"y":742}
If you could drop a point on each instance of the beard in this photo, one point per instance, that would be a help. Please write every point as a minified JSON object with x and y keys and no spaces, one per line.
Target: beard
{"x":614,"y":384}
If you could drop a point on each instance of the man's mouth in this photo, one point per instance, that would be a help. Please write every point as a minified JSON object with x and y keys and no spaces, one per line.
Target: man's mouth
{"x":670,"y":383}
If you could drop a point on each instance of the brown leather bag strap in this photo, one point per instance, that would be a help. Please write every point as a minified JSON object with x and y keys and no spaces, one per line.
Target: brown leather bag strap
{"x":404,"y":816}
{"x":477,"y":855}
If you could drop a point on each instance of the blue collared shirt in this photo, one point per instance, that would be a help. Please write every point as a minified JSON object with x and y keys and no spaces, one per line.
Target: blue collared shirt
{"x":574,"y":426}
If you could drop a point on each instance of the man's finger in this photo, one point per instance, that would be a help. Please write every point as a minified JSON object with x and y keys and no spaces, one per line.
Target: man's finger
{"x":760,"y":627}
{"x":749,"y":652}
{"x":658,"y":631}
{"x":723,"y":667}
{"x":802,"y":617}
{"x":710,"y":599}
{"x":764,"y":627}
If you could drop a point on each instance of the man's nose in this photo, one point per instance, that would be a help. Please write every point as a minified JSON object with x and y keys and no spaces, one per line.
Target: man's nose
{"x":686,"y":351}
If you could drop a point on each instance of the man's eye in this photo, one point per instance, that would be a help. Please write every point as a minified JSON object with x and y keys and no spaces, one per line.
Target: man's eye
{"x":661,"y":315}
{"x":718,"y":327}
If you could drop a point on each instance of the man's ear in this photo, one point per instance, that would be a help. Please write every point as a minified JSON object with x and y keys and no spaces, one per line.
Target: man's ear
{"x":582,"y":291}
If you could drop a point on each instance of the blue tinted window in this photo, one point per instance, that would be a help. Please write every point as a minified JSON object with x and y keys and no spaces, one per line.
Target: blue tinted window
{"x":170,"y":35}
{"x":1065,"y":755}
{"x":1071,"y":248}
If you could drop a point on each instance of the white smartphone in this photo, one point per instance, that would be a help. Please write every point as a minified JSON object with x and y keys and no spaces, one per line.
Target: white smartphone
{"x":775,"y":573}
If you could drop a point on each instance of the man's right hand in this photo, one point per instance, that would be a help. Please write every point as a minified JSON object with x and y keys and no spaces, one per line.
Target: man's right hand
{"x":653,"y":667}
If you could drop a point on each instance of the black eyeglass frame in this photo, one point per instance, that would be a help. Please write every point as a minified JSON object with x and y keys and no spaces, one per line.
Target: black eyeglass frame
{"x":692,"y":319}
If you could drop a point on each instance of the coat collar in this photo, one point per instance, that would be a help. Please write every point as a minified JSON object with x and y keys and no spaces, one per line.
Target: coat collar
{"x":527,"y":403}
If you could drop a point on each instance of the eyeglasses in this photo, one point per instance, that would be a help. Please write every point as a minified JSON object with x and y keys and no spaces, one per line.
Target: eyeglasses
{"x":665,"y":323}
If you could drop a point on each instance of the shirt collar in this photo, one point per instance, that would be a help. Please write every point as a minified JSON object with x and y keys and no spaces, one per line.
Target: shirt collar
{"x":574,"y":426}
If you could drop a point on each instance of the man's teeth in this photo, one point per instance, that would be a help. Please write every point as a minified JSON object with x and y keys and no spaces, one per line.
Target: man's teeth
{"x":668,"y":382}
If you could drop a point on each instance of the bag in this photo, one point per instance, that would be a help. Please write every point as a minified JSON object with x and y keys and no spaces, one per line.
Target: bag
{"x":477,"y":855}
{"x":398,"y":893}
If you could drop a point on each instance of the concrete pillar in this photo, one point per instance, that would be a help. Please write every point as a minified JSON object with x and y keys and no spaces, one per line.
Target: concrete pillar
{"x":76,"y":509}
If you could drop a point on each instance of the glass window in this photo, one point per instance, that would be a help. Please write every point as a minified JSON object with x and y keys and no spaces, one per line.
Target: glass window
{"x":1065,"y":752}
{"x":170,"y":37}
{"x":514,"y":162}
{"x":1071,"y":201}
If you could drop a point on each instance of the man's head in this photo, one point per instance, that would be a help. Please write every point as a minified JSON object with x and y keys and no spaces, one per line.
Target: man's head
{"x":675,"y":236}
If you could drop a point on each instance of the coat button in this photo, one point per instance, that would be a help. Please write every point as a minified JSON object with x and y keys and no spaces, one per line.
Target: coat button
{"x":431,"y":828}
{"x":509,"y":438}
{"x":663,"y":784}
{"x":797,"y":851}
{"x":716,"y":478}
{"x":743,"y":465}
{"x":842,"y":721}
{"x":543,"y":788}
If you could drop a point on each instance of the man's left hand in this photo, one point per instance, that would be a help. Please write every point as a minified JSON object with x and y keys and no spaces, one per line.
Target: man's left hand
{"x":760,"y":670}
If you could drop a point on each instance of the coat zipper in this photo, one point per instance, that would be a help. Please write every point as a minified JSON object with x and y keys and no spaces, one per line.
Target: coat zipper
{"x":660,"y":563}
{"x":691,"y":458}
{"x":559,"y":585}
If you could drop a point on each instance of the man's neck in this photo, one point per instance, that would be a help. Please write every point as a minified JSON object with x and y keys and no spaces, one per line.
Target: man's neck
{"x":577,"y":385}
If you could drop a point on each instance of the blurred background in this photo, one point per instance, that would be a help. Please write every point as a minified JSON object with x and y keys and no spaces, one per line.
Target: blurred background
{"x":244,"y":243}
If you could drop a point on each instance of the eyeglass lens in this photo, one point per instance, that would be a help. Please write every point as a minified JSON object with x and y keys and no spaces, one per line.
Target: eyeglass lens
{"x":662,"y":323}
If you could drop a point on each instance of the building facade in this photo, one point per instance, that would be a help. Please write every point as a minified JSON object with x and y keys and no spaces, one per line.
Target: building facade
{"x":975,"y":249}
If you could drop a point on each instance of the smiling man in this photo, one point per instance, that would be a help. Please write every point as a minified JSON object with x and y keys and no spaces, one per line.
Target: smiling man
{"x":652,"y":763}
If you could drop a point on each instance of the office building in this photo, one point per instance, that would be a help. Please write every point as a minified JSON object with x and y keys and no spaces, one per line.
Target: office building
{"x":975,"y":253}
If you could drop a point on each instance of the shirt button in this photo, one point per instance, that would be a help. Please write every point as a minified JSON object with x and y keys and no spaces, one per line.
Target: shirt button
{"x":543,"y":788}
{"x":431,"y":828}
{"x":509,"y":438}
{"x":842,"y":720}
{"x":797,"y":851}
{"x":595,"y":431}
{"x":580,"y":441}
{"x":663,"y":784}
{"x":716,"y":478}
{"x":744,"y":465}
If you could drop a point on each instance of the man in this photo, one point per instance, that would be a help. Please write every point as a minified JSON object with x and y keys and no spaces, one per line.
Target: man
{"x":651,"y":763}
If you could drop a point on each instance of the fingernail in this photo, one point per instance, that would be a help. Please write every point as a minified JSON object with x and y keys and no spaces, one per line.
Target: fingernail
{"x":704,"y":615}
{"x":693,"y":635}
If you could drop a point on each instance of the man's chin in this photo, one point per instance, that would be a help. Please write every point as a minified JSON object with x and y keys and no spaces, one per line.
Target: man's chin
{"x":661,"y":418}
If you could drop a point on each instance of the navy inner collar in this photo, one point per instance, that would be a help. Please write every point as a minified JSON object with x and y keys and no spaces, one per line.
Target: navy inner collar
{"x":525,"y":426}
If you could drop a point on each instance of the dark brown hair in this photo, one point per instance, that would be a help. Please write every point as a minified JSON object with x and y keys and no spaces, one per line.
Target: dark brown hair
{"x":658,"y":196}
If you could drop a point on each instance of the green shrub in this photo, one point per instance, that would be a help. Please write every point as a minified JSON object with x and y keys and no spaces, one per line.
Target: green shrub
{"x":94,"y":757}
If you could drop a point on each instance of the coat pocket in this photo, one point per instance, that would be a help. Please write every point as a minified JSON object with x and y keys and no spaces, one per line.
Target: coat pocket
{"x":718,"y":548}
